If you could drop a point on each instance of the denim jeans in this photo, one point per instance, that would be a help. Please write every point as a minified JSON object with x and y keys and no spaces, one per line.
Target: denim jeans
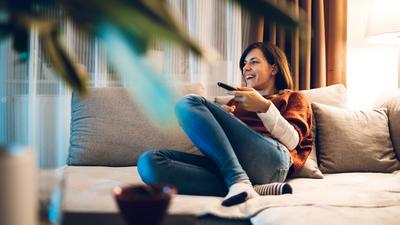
{"x":232,"y":152}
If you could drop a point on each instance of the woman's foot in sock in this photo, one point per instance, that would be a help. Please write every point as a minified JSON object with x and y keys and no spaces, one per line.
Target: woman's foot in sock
{"x":273,"y":189}
{"x":239,"y":193}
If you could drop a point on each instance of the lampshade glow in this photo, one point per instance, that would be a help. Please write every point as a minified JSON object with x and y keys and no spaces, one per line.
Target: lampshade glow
{"x":384,"y":22}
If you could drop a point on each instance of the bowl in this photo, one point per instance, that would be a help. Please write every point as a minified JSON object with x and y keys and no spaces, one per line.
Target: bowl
{"x":141,"y":204}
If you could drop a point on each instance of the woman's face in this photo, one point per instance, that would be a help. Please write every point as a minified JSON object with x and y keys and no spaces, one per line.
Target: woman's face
{"x":257,"y":72}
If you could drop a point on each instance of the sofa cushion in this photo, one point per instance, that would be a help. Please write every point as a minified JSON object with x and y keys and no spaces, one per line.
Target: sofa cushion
{"x":345,"y":196}
{"x":108,"y":129}
{"x":334,"y":95}
{"x":354,"y":140}
{"x":391,"y":101}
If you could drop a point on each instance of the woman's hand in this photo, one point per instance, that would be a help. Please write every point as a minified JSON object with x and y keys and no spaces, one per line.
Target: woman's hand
{"x":228,"y":108}
{"x":250,"y":100}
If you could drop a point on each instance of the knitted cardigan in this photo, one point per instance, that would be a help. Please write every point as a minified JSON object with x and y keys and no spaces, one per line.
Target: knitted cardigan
{"x":296,"y":109}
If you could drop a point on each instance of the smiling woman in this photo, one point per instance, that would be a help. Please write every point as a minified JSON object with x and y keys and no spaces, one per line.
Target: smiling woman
{"x":258,"y":138}
{"x":257,"y":72}
{"x":266,"y":61}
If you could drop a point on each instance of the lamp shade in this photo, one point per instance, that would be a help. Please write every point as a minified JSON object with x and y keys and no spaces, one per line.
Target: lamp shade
{"x":384,"y":22}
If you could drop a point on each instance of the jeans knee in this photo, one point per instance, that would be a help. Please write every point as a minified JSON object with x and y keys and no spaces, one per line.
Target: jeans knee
{"x":147,"y":167}
{"x":187,"y":101}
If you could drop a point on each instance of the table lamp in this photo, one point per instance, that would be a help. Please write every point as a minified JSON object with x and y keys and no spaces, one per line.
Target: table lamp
{"x":384,"y":25}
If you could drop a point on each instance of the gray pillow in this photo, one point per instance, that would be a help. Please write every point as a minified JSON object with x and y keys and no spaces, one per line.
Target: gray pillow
{"x":392,"y":102}
{"x":108,"y":129}
{"x":354,"y":140}
{"x":334,"y":95}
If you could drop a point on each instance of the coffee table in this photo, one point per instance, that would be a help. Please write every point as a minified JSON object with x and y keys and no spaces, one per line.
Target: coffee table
{"x":79,"y":218}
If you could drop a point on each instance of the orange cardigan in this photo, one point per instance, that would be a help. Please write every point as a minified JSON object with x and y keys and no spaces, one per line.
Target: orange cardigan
{"x":296,"y":109}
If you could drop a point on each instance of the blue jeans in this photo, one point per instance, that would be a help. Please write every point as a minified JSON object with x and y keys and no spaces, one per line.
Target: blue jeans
{"x":232,"y":152}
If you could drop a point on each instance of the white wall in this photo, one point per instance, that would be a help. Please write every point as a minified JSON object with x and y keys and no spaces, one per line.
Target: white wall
{"x":371,"y":68}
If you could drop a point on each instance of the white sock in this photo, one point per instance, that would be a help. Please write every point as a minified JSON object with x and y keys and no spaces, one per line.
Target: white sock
{"x":243,"y":190}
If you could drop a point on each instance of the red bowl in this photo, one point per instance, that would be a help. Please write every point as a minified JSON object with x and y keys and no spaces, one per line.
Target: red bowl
{"x":143,"y":204}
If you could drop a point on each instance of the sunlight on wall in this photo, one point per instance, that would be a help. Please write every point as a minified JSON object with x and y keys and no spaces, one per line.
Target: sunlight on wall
{"x":371,"y":68}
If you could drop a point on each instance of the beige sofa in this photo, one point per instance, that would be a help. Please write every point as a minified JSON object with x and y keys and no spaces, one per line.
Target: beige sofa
{"x":351,"y":177}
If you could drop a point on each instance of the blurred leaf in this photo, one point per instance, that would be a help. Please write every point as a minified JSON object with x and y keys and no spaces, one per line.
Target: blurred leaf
{"x":62,"y":63}
{"x":21,"y":43}
{"x":153,"y":95}
{"x":132,"y":17}
{"x":137,"y":22}
{"x":4,"y":31}
{"x":281,"y":14}
{"x":270,"y":11}
{"x":75,"y":78}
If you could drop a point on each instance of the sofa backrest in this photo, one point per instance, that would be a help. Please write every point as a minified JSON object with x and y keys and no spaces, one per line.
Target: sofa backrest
{"x":108,"y":129}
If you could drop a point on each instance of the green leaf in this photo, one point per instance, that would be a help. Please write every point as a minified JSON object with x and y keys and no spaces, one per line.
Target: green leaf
{"x":21,"y":43}
{"x":270,"y":11}
{"x":4,"y":31}
{"x":133,"y":17}
{"x":62,"y":63}
{"x":282,"y":15}
{"x":153,"y":95}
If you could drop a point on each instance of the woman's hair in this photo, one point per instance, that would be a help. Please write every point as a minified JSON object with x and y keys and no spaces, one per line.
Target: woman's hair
{"x":274,"y":56}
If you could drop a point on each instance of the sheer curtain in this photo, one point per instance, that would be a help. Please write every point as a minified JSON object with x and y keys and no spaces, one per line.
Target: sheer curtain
{"x":35,"y":103}
{"x":217,"y":26}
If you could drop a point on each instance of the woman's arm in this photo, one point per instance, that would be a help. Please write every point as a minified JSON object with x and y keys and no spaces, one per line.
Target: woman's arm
{"x":291,"y":126}
{"x":295,"y":108}
{"x":279,"y":127}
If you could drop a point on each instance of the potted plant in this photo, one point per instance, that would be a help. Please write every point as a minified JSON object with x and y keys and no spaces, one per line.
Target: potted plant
{"x":136,"y":21}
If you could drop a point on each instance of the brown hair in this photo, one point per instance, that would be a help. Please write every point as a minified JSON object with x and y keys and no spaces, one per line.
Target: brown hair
{"x":274,"y":56}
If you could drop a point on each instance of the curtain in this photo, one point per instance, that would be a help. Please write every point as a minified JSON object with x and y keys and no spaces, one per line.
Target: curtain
{"x":319,"y":59}
{"x":35,"y":104}
{"x":217,"y":26}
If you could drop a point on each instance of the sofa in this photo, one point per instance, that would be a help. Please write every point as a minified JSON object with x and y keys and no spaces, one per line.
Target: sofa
{"x":352,"y":175}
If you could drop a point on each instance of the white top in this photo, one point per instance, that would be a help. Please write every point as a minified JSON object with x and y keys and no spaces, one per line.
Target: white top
{"x":279,"y":127}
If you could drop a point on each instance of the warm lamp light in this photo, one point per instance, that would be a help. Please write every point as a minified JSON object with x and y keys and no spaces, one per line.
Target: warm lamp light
{"x":384,"y":25}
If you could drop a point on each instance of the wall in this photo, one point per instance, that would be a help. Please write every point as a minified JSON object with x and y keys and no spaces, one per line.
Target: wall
{"x":371,"y":68}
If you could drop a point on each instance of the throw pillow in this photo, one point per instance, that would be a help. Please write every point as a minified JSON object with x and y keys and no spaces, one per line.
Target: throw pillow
{"x":108,"y":129}
{"x":310,"y":168}
{"x":334,"y":95}
{"x":392,"y":102}
{"x":354,"y":140}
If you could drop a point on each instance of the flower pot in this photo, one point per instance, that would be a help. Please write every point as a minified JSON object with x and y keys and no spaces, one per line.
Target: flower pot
{"x":143,"y":204}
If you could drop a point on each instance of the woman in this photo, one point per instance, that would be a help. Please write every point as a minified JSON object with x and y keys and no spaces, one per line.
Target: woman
{"x":259,"y":137}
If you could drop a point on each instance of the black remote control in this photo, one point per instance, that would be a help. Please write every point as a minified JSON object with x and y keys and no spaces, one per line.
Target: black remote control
{"x":226,"y":87}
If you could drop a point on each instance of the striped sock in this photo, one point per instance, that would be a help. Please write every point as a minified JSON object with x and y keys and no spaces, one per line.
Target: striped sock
{"x":273,"y":189}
